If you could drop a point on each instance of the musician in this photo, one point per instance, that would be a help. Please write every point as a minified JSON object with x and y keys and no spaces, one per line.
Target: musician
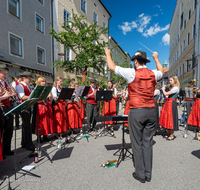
{"x":194,"y":117}
{"x":59,"y":107}
{"x":189,"y":98}
{"x":6,"y":125}
{"x":117,"y":98}
{"x":23,"y":90}
{"x":43,"y":115}
{"x":169,"y":113}
{"x":14,"y":84}
{"x":75,"y":114}
{"x":109,"y":107}
{"x":156,"y":98}
{"x":91,"y":106}
{"x":98,"y":102}
{"x":142,"y":117}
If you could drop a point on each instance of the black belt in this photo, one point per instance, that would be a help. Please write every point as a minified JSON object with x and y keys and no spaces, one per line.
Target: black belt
{"x":143,"y":108}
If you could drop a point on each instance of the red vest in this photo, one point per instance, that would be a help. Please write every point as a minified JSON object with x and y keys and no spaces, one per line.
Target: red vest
{"x":141,"y":90}
{"x":16,"y":83}
{"x":27,"y":92}
{"x":91,"y":99}
{"x":6,"y":102}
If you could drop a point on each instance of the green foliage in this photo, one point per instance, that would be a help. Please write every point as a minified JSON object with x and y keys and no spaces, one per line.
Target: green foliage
{"x":66,"y":81}
{"x":86,"y":43}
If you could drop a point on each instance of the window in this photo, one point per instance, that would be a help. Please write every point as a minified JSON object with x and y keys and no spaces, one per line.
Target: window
{"x":179,"y":71}
{"x":39,"y":23}
{"x":181,"y":49}
{"x":95,"y":5}
{"x":95,"y":17}
{"x":183,"y":45}
{"x":189,"y":14}
{"x":181,"y":20}
{"x":193,"y":28}
{"x":104,"y":25}
{"x":40,"y":55}
{"x":14,"y":7}
{"x":67,"y":16}
{"x":83,"y":5}
{"x":41,"y":1}
{"x":15,"y":45}
{"x":188,"y":38}
{"x":182,"y":69}
{"x":184,"y":24}
{"x":187,"y":66}
{"x":67,"y":54}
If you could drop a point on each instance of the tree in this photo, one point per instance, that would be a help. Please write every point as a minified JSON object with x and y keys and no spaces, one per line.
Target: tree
{"x":86,"y":43}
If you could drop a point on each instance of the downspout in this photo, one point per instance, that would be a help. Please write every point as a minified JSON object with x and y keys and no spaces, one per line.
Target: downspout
{"x":52,"y":40}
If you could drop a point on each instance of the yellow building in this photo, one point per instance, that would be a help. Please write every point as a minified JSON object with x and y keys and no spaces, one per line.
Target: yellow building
{"x":93,"y":10}
{"x":182,"y":35}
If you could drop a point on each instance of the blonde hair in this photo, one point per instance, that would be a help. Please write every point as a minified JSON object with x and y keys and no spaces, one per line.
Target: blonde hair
{"x":156,"y":86}
{"x":176,"y":81}
{"x":56,"y":79}
{"x":71,"y":83}
{"x":41,"y":79}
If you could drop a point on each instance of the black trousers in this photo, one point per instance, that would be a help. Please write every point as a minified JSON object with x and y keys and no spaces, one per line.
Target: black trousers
{"x":189,"y":105}
{"x":91,"y":114}
{"x":157,"y":116}
{"x":142,"y":123}
{"x":26,"y":129}
{"x":6,"y":129}
{"x":117,"y":107}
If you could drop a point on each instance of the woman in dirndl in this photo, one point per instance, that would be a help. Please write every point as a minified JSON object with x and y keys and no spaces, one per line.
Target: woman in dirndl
{"x":169,"y":113}
{"x":194,"y":118}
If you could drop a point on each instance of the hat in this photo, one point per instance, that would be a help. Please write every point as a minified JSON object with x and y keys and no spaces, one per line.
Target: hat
{"x":97,"y":82}
{"x":3,"y":67}
{"x":26,"y":74}
{"x":92,"y":80}
{"x":140,"y":55}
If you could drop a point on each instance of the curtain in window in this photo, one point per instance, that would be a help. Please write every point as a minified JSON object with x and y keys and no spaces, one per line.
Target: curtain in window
{"x":38,"y":23}
{"x":15,"y":46}
{"x":40,"y":56}
{"x":13,"y":7}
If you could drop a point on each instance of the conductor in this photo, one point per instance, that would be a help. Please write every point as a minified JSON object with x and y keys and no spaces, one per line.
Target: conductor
{"x":142,"y":115}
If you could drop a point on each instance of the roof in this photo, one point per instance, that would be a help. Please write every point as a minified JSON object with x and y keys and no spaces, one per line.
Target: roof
{"x":105,"y":8}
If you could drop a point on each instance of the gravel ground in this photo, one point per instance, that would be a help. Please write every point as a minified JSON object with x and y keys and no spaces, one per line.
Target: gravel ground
{"x":77,"y":164}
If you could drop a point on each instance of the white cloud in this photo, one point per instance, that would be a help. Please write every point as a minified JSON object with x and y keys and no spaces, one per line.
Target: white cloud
{"x":154,"y":30}
{"x":155,"y":14}
{"x":127,"y":27}
{"x":166,"y":39}
{"x":157,"y":6}
{"x":141,"y":24}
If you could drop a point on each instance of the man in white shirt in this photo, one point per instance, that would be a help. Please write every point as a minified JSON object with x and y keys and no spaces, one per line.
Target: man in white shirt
{"x":142,"y":116}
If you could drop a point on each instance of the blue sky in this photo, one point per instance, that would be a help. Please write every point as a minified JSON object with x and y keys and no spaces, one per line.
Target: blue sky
{"x":144,"y":21}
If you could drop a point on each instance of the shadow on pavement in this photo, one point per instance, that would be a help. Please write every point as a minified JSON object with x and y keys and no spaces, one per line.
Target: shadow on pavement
{"x":62,"y":153}
{"x":196,"y":153}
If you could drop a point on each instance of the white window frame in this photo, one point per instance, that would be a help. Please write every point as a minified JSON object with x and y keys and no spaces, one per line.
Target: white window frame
{"x":70,"y":53}
{"x":21,"y":45}
{"x":19,"y":9}
{"x":44,"y":56}
{"x":104,"y":23}
{"x":85,"y":6}
{"x":43,"y":23}
{"x":93,"y":16}
{"x":70,"y":14}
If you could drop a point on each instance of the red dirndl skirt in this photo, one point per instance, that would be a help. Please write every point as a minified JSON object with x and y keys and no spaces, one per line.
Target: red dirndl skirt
{"x":109,"y":109}
{"x":74,"y":115}
{"x":126,"y":111}
{"x":60,"y":117}
{"x":194,"y":118}
{"x":1,"y":149}
{"x":166,"y":115}
{"x":45,"y":116}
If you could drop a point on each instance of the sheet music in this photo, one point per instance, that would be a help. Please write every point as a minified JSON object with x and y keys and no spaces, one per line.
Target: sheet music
{"x":188,"y":92}
{"x":80,"y":90}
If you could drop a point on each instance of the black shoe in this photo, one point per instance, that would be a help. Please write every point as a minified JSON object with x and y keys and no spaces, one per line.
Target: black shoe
{"x":45,"y":138}
{"x":147,"y":179}
{"x":138,"y":178}
{"x":8,"y":153}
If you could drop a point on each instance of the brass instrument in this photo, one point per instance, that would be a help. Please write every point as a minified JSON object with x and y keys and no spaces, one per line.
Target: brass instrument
{"x":192,"y":82}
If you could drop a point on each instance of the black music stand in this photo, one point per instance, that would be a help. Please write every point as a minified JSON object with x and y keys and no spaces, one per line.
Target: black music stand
{"x":82,"y":92}
{"x":41,"y":92}
{"x":104,"y":96}
{"x":66,"y":94}
{"x":22,"y":107}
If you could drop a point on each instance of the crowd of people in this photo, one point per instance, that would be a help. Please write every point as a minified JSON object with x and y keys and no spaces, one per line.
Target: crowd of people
{"x":56,"y":116}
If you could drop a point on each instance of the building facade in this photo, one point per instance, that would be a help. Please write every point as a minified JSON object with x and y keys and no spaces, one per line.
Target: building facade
{"x":26,"y":44}
{"x":93,"y":10}
{"x":182,"y":33}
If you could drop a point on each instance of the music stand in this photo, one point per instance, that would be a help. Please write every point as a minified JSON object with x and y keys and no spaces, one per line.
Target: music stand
{"x":104,"y":95}
{"x":82,"y":92}
{"x":41,"y":92}
{"x":22,"y":107}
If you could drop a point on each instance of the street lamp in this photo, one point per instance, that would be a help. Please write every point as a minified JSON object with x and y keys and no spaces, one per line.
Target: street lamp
{"x":109,"y":74}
